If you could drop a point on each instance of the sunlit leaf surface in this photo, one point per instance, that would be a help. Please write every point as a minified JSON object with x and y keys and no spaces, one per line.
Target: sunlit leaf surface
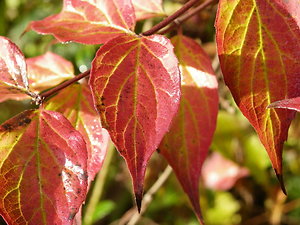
{"x":48,"y":70}
{"x":13,"y":77}
{"x":259,"y":51}
{"x":147,"y":9}
{"x":89,"y":21}
{"x":42,"y":169}
{"x":135,"y":83}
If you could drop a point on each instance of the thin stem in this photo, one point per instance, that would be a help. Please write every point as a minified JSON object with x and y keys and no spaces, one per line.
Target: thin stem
{"x":276,"y":211}
{"x":171,"y":18}
{"x":98,"y":187}
{"x":188,"y":15}
{"x":133,"y":216}
{"x":63,"y":85}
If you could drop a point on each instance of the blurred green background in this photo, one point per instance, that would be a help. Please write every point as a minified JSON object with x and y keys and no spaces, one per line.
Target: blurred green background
{"x":255,"y":199}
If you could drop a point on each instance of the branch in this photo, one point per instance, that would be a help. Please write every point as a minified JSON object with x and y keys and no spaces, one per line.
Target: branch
{"x":132,"y":216}
{"x":61,"y":86}
{"x":188,"y":15}
{"x":171,"y":18}
{"x":39,"y":98}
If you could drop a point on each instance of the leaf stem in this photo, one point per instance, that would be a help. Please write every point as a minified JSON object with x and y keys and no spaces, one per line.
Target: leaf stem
{"x":63,"y":85}
{"x":170,"y":18}
{"x":188,"y":15}
{"x":98,"y":187}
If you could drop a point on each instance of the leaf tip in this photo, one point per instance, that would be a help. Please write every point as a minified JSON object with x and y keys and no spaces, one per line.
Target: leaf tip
{"x":197,"y":210}
{"x":138,"y":200}
{"x":281,"y":182}
{"x":200,"y":218}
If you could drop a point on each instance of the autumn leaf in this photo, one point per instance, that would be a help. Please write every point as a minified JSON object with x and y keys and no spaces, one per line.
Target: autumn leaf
{"x":147,"y":9}
{"x":258,"y":47}
{"x":42,"y":169}
{"x":186,"y":145}
{"x":48,"y":70}
{"x":76,"y":104}
{"x":135,"y":83}
{"x":13,"y":77}
{"x":38,"y":73}
{"x":292,"y":104}
{"x":221,"y":174}
{"x":89,"y":21}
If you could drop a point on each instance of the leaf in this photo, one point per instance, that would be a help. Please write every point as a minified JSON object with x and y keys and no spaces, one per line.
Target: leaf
{"x":43,"y":72}
{"x":13,"y":96}
{"x":147,"y":9}
{"x":186,"y":145}
{"x":220,"y":173}
{"x":48,"y":70}
{"x":42,"y":169}
{"x":13,"y":78}
{"x":76,"y":104}
{"x":89,"y":21}
{"x":135,"y":83}
{"x":292,"y":104}
{"x":258,"y":47}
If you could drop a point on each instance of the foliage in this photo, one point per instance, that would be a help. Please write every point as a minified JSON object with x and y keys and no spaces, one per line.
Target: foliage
{"x":141,"y":91}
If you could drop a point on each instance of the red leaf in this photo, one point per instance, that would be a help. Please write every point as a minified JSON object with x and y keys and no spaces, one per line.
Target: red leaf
{"x":220,"y":173}
{"x":186,"y":144}
{"x":76,"y":104}
{"x":42,"y":169}
{"x":258,"y":47}
{"x":13,"y":78}
{"x":292,"y":104}
{"x":48,"y":70}
{"x":13,"y":96}
{"x":136,"y":87}
{"x":89,"y":21}
{"x":147,"y":9}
